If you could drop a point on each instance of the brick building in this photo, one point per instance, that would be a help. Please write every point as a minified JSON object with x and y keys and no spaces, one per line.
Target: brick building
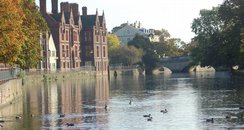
{"x":65,"y":28}
{"x":94,"y":41}
{"x":79,"y":39}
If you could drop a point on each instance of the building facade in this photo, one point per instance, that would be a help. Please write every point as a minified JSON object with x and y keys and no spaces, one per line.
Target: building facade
{"x":65,"y":27}
{"x":80,"y":40}
{"x":129,"y":31}
{"x":49,"y":60}
{"x":94,"y":42}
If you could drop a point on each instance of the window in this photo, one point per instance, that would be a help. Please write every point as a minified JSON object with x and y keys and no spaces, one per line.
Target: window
{"x":67,"y":51}
{"x":67,"y":35}
{"x":62,"y":36}
{"x":76,"y":51}
{"x":53,"y":54}
{"x":103,"y":38}
{"x":63,"y":64}
{"x":68,"y":65}
{"x":97,"y":40}
{"x":97,"y":51}
{"x":104,"y":51}
{"x":75,"y":36}
{"x":63,"y":51}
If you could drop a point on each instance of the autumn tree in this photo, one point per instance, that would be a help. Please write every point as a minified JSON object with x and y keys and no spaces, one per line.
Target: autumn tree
{"x":32,"y":26}
{"x":11,"y":35}
{"x":113,"y":41}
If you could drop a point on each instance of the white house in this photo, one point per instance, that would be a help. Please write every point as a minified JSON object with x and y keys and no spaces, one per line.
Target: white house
{"x":49,"y":58}
{"x":129,"y":31}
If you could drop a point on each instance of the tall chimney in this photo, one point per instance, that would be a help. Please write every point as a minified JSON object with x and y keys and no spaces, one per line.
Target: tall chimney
{"x":84,"y":10}
{"x":54,"y":6}
{"x":75,"y":9}
{"x":43,"y":6}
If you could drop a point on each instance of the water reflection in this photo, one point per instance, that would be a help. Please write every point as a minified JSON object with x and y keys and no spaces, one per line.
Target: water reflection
{"x":189,"y":98}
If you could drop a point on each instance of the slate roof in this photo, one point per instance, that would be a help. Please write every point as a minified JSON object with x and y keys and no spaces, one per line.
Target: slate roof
{"x":88,"y":20}
{"x":58,"y":17}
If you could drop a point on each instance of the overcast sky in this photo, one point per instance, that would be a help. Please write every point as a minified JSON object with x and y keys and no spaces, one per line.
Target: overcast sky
{"x":175,"y":16}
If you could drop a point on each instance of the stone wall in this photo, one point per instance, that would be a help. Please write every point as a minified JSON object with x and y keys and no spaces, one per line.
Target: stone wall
{"x":10,"y":91}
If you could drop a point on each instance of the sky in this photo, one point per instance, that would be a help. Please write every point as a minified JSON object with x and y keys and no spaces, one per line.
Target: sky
{"x":175,"y":16}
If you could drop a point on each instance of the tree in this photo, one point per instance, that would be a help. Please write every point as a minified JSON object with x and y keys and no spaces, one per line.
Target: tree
{"x":219,"y":35}
{"x":115,"y":29}
{"x":113,"y":41}
{"x":231,"y":12}
{"x":125,"y":55}
{"x":11,"y":35}
{"x":209,"y":39}
{"x":32,"y":26}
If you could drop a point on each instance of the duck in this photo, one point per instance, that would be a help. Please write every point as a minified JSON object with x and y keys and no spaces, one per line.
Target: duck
{"x":228,"y":117}
{"x":241,"y":107}
{"x":62,"y":115}
{"x":106,"y":107}
{"x":149,"y":115}
{"x":210,"y":120}
{"x":164,"y":111}
{"x":70,"y":124}
{"x":130,"y":102}
{"x":1,"y":125}
{"x":18,"y":117}
{"x":2,"y":121}
{"x":149,"y":119}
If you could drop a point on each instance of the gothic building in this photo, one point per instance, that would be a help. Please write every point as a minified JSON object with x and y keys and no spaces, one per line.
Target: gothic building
{"x":94,"y":41}
{"x":65,"y":28}
{"x":79,"y":39}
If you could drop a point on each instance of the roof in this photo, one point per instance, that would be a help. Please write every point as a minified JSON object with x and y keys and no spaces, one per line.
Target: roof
{"x":88,"y":20}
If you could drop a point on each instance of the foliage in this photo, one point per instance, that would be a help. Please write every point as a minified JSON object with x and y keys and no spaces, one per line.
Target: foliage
{"x":115,"y":29}
{"x":113,"y":41}
{"x":127,"y":55}
{"x":20,"y":28}
{"x":11,"y":35}
{"x":219,"y":35}
{"x":32,"y":26}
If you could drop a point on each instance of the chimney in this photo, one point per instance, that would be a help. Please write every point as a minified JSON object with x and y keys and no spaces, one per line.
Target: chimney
{"x":75,"y":9}
{"x":43,"y":6}
{"x":65,"y":6}
{"x":54,"y":6}
{"x":84,"y":10}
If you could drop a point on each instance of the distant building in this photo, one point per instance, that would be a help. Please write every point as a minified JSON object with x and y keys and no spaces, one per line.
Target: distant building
{"x":49,"y":58}
{"x":129,"y":31}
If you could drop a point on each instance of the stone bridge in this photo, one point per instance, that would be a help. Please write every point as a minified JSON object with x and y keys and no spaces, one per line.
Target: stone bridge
{"x":175,"y":64}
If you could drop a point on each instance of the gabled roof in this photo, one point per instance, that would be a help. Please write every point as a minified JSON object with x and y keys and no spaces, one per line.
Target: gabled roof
{"x":88,"y":20}
{"x":58,"y":17}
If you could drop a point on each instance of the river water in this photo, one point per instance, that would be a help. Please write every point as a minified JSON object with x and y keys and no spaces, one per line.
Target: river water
{"x":190,"y":99}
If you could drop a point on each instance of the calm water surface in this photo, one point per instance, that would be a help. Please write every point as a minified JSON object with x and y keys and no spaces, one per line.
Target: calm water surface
{"x":189,"y":98}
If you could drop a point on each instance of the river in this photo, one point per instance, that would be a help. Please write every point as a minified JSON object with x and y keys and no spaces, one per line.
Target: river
{"x":190,"y":99}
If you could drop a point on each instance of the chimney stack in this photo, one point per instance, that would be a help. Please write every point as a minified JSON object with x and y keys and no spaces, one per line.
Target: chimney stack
{"x":54,"y":6}
{"x":75,"y":9}
{"x":84,"y":10}
{"x":65,"y":7}
{"x":43,"y":6}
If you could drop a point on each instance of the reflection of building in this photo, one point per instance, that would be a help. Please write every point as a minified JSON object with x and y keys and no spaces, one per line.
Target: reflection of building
{"x":102,"y":97}
{"x":48,"y":52}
